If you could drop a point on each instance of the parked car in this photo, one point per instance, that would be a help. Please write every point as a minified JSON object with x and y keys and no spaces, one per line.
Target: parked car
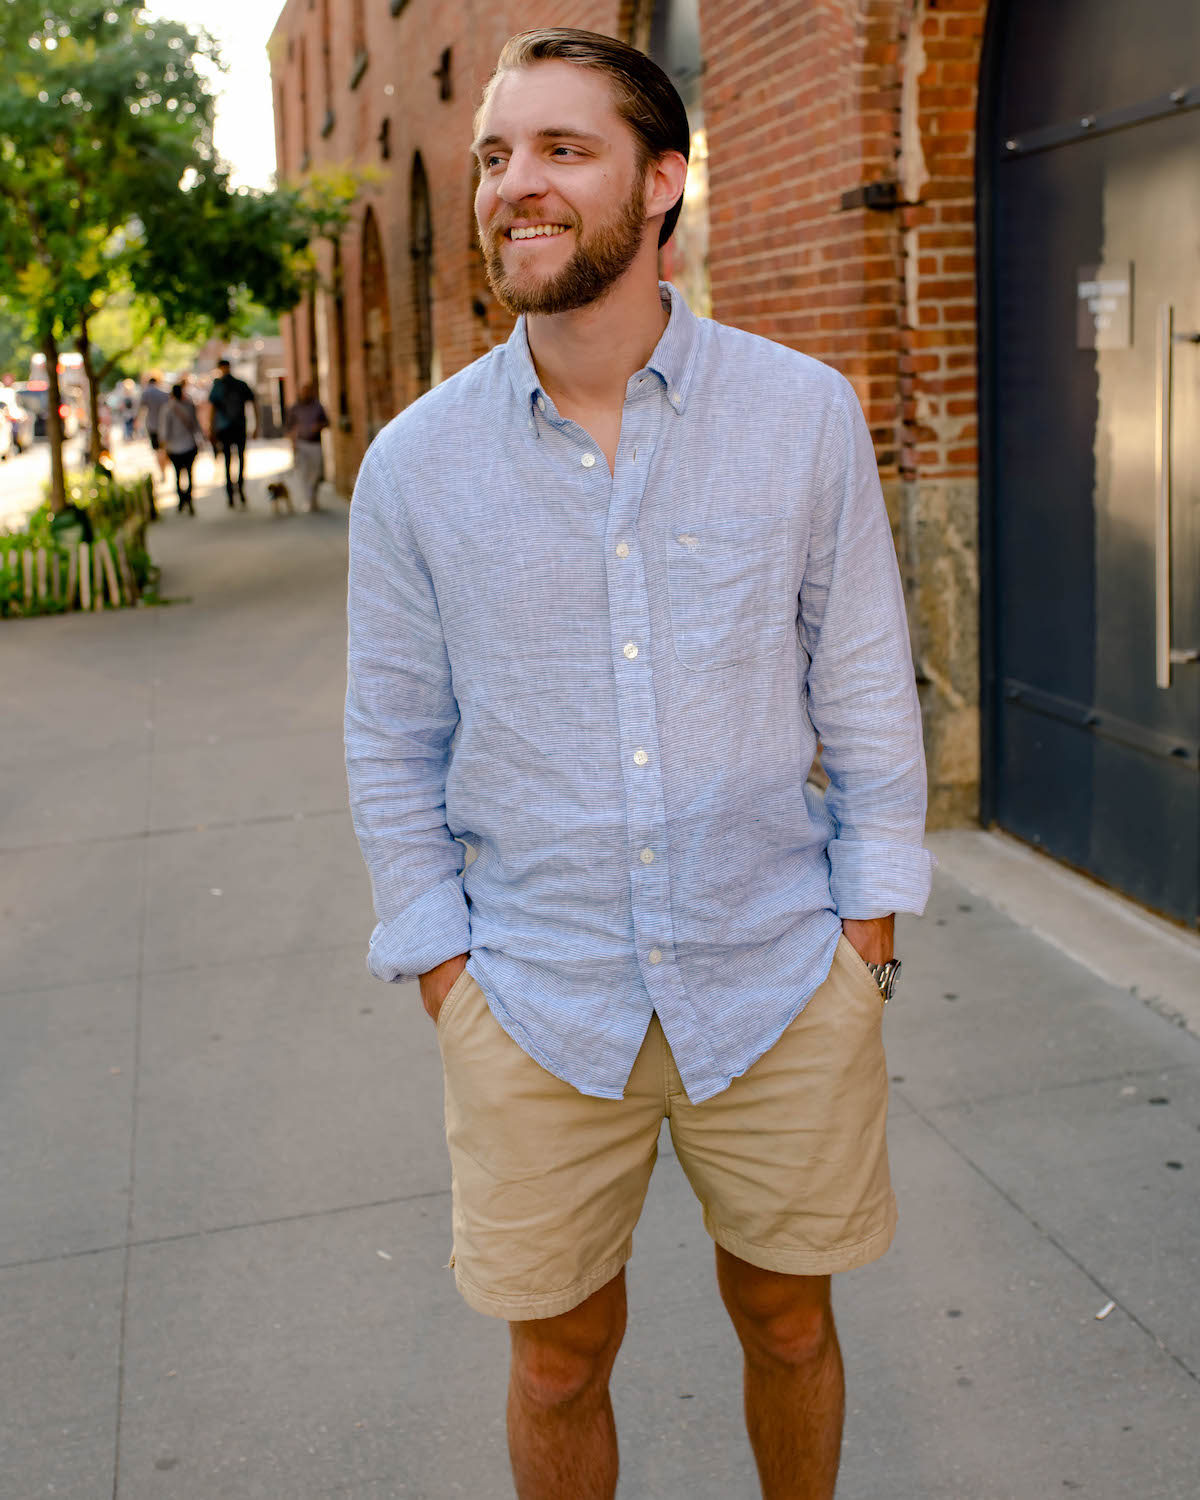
{"x":34,"y":395}
{"x":19,"y":419}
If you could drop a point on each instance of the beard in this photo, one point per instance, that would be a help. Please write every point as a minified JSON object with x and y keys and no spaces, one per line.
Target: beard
{"x":600,"y":258}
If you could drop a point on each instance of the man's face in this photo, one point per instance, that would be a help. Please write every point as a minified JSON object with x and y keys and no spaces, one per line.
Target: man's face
{"x":561,"y":197}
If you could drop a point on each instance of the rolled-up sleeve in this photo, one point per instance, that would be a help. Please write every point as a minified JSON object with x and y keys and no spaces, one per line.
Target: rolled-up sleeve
{"x":401,"y":714}
{"x":861,"y":689}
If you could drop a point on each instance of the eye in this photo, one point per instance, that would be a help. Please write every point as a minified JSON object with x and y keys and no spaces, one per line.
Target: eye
{"x":570,"y":150}
{"x":490,"y":161}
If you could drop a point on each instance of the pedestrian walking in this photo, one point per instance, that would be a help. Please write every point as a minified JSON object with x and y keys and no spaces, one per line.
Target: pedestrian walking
{"x":153,"y":399}
{"x":228,"y":399}
{"x":128,"y":408}
{"x":180,"y":433}
{"x":306,"y":420}
{"x":597,"y":643}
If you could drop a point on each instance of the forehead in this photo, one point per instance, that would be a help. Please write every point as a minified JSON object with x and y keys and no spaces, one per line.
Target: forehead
{"x":550,"y":94}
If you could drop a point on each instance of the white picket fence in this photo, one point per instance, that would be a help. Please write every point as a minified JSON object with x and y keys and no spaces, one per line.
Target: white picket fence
{"x":89,"y":576}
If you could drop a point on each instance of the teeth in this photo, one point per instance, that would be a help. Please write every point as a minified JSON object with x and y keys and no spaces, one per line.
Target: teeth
{"x":537,"y":229}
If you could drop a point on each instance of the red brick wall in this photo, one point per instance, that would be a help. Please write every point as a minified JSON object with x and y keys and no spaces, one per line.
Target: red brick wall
{"x":803,"y":103}
{"x":403,"y":54}
{"x":801,"y":107}
{"x":938,"y":368}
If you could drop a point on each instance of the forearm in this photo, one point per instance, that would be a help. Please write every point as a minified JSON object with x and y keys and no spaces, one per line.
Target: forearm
{"x":397,"y":800}
{"x":862,"y":694}
{"x":400,"y":717}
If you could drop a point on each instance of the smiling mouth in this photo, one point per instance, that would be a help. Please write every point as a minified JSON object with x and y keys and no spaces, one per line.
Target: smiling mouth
{"x":536,"y":231}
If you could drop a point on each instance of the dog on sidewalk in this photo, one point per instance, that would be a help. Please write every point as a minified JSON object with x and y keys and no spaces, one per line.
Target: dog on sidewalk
{"x":281,"y":496}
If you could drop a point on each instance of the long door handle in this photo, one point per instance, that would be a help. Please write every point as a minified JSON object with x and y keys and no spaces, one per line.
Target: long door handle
{"x":1165,"y":655}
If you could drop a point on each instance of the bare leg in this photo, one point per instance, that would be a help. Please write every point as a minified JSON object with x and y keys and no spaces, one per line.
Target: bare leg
{"x":561,"y":1434}
{"x":795,"y":1391}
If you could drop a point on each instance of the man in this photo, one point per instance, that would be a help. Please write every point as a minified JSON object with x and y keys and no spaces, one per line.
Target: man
{"x":306,"y":421}
{"x":154,"y":398}
{"x":607,"y":587}
{"x":129,"y":408}
{"x":228,"y":399}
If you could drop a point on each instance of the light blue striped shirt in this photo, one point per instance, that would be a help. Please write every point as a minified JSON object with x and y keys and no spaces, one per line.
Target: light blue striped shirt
{"x":611,"y":687}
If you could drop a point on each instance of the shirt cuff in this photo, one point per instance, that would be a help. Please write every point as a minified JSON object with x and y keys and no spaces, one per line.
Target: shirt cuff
{"x":437,"y":926}
{"x":868,"y":879}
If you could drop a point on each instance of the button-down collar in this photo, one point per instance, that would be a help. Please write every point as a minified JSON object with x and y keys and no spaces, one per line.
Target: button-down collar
{"x":673,"y":360}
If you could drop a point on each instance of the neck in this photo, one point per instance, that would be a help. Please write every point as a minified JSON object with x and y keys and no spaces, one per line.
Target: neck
{"x":584,"y":358}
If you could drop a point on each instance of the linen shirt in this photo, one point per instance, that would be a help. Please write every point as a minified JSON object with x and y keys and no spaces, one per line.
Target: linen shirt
{"x":610,"y":687}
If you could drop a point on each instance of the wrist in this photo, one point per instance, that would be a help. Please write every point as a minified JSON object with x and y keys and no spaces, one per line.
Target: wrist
{"x":873,"y":938}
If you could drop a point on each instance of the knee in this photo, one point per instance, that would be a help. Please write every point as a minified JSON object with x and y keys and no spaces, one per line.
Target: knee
{"x":564,"y":1361}
{"x":796,"y":1337}
{"x":784,"y":1320}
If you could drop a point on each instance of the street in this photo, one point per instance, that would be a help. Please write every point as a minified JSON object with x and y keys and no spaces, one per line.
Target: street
{"x":226,"y":1211}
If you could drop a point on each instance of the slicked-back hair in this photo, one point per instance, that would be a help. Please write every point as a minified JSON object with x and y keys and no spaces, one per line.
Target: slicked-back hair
{"x":644,"y":96}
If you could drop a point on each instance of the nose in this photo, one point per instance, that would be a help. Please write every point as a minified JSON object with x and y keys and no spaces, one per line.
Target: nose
{"x":523,"y":177}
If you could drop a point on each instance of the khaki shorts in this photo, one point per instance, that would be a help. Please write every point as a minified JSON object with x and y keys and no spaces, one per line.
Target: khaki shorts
{"x":789,"y":1163}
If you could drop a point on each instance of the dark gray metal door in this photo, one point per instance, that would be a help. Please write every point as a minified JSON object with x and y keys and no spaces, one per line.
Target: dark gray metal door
{"x":1090,"y":236}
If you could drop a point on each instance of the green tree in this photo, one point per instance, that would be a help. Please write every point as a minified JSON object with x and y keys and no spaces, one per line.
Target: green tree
{"x":110,"y":186}
{"x":203,"y":258}
{"x":97,"y":108}
{"x":15,"y":343}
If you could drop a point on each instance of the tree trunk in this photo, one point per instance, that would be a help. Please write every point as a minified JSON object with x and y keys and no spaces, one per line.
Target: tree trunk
{"x":54,"y":423}
{"x":84,"y":344}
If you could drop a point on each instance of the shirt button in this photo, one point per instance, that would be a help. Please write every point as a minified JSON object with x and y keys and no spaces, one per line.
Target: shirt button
{"x":647,"y":856}
{"x":655,"y":956}
{"x":629,"y":649}
{"x":588,"y":460}
{"x":541,"y":403}
{"x":640,"y":757}
{"x":622,"y":549}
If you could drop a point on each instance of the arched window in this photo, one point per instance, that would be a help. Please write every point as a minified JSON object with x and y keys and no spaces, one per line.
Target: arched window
{"x":358,"y":41}
{"x":326,"y":68}
{"x":377,"y":328}
{"x":339,"y":332}
{"x":421,"y":248}
{"x":304,"y":142}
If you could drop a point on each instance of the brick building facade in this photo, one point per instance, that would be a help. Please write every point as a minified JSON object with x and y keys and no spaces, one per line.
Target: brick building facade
{"x":837,"y":216}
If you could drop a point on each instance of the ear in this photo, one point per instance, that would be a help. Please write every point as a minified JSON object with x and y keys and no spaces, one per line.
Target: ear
{"x":664,"y":183}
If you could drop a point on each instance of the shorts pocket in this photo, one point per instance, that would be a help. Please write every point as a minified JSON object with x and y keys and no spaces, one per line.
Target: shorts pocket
{"x":858,"y":965}
{"x":727,"y":583}
{"x":453,"y":995}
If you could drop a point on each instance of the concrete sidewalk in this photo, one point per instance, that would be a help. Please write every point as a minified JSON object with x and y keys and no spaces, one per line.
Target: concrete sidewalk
{"x":224,"y":1185}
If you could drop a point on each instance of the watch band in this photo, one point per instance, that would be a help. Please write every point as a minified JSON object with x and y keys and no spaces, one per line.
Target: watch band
{"x":886,"y":976}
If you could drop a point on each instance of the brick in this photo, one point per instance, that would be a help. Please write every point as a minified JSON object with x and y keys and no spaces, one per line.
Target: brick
{"x":801,"y":103}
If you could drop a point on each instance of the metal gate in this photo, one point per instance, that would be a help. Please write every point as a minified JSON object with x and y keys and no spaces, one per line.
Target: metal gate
{"x":1090,"y":362}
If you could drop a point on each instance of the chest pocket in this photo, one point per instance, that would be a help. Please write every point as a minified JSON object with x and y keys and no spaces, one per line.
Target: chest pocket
{"x":727,"y":582}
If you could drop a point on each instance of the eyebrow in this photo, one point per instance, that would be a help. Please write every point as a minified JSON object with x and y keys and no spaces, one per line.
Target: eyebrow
{"x":549,"y":133}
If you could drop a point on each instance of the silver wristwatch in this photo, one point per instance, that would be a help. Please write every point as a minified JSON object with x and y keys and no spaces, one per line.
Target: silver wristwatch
{"x":886,"y":977}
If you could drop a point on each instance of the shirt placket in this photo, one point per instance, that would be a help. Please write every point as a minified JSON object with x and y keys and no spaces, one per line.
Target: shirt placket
{"x":637,"y":713}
